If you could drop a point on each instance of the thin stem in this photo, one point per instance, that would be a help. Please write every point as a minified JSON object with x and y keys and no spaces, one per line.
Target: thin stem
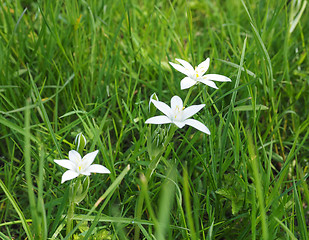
{"x":71,"y":208}
{"x":70,"y":217}
{"x":188,"y":95}
{"x":152,"y":166}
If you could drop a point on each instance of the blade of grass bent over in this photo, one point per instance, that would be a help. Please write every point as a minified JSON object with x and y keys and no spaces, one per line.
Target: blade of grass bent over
{"x":45,"y":116}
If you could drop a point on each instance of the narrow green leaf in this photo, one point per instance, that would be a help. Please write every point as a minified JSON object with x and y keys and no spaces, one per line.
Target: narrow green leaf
{"x":228,"y":119}
{"x":45,"y":116}
{"x":300,"y":215}
{"x":258,"y":107}
{"x":210,"y":230}
{"x":288,"y":231}
{"x":258,"y":185}
{"x":16,"y":128}
{"x":22,"y":218}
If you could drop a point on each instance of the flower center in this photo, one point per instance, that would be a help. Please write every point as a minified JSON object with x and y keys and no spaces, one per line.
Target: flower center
{"x":178,"y":113}
{"x":196,"y":72}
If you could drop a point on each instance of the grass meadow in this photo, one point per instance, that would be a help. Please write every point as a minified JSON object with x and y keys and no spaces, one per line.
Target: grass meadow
{"x":70,"y":67}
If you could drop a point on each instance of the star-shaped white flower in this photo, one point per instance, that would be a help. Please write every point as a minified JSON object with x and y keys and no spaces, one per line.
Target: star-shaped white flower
{"x":78,"y":165}
{"x":177,"y":114}
{"x":194,"y":76}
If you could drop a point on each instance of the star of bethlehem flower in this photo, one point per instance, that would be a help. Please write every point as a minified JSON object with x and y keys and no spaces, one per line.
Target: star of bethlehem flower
{"x":196,"y":75}
{"x":78,"y":165}
{"x":177,"y":114}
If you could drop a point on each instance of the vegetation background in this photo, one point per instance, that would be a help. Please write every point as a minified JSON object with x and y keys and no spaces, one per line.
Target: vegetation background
{"x":90,"y":66}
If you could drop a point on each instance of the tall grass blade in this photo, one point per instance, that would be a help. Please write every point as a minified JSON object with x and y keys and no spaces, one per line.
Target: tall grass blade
{"x":228,"y":120}
{"x":18,"y":211}
{"x":303,"y":228}
{"x":258,"y":185}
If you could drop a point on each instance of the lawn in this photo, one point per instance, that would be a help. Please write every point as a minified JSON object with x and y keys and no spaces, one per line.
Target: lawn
{"x":178,"y":152}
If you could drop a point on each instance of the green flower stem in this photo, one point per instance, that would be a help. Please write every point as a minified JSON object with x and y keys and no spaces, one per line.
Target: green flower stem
{"x":188,"y":95}
{"x":78,"y":191}
{"x":70,"y":217}
{"x":152,"y":166}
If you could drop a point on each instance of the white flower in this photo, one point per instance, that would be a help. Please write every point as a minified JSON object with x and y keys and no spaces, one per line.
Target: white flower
{"x":194,"y":76}
{"x":177,"y":114}
{"x":78,"y":165}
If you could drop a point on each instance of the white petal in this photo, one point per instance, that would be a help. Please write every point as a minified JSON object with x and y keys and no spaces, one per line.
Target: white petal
{"x":190,"y":111}
{"x":176,"y":102}
{"x":66,"y":163}
{"x":158,"y":120}
{"x":68,"y":175}
{"x":180,"y":68}
{"x":187,"y":83}
{"x":97,"y":168}
{"x":153,"y":97}
{"x":86,"y":172}
{"x":187,"y":65}
{"x":203,"y":67}
{"x":198,"y":125}
{"x":163,"y":107}
{"x":74,"y":156}
{"x":217,"y":77}
{"x":89,"y":158}
{"x":179,"y":124}
{"x":208,"y":83}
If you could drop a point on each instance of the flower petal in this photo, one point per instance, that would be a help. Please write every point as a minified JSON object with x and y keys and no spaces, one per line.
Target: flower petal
{"x":158,"y":120}
{"x":163,"y":107}
{"x":176,"y":102}
{"x":97,"y":168}
{"x":203,"y":67}
{"x":74,"y":156}
{"x":180,"y":68}
{"x":186,"y":65}
{"x":208,"y":83}
{"x":187,"y":83}
{"x":86,"y":171}
{"x":68,"y":175}
{"x":88,"y":159}
{"x":190,"y":111}
{"x":153,"y":97}
{"x":216,"y":77}
{"x":66,"y":163}
{"x":198,"y":125}
{"x":179,"y":124}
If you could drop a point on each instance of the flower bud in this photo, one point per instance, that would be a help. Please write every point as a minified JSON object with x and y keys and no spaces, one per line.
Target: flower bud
{"x":80,"y":142}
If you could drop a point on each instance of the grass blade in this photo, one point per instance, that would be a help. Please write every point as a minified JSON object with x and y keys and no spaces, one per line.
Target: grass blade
{"x":22,"y":218}
{"x":300,"y":215}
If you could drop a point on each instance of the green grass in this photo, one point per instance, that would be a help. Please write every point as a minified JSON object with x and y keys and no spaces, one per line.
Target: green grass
{"x":91,"y":66}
